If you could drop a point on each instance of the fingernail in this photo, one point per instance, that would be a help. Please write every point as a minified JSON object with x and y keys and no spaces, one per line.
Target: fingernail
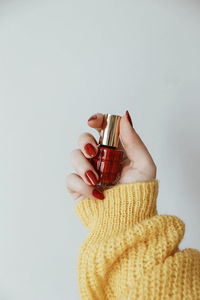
{"x":91,"y":177}
{"x":90,"y":150}
{"x":93,"y":117}
{"x":129,"y":118}
{"x":98,"y":194}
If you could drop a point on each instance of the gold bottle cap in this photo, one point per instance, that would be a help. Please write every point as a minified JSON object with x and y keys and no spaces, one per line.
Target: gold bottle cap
{"x":109,"y":135}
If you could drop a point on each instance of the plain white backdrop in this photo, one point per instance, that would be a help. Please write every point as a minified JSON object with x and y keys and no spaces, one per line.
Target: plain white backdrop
{"x":60,"y":62}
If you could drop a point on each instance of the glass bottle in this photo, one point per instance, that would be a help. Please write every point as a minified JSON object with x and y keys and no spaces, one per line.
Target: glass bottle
{"x":108,"y":160}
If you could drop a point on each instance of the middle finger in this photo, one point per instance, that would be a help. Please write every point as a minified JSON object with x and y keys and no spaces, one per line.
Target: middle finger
{"x":83,"y":167}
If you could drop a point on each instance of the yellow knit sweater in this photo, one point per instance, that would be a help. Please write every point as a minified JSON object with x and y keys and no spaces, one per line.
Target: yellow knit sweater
{"x":131,"y":251}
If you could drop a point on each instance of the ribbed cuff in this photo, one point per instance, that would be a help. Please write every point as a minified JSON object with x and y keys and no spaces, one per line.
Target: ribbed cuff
{"x":123,"y":206}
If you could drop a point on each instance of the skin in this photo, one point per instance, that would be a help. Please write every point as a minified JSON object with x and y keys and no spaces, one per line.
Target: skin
{"x":138,"y":165}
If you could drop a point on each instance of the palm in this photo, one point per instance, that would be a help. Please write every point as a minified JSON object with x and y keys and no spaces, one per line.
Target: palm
{"x":136,"y":171}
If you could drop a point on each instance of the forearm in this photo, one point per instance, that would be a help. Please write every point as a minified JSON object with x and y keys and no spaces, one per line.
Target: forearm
{"x":131,"y":252}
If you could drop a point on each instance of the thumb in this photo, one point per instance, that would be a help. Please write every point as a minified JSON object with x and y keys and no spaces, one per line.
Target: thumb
{"x":134,"y":147}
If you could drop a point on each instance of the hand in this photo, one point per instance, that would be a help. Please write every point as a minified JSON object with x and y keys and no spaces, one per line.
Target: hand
{"x":137,"y":164}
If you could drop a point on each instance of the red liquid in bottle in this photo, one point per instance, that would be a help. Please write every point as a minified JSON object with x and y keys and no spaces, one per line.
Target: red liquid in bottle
{"x":107,"y":163}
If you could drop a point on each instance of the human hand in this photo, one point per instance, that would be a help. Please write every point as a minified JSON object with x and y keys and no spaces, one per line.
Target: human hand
{"x":137,"y":165}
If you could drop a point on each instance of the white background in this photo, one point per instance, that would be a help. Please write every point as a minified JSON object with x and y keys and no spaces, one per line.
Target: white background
{"x":60,"y":62}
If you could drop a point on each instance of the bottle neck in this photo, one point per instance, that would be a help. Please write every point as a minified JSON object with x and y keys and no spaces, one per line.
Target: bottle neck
{"x":106,"y":146}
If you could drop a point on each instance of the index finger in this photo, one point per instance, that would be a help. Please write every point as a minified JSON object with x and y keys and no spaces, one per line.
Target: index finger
{"x":96,"y":121}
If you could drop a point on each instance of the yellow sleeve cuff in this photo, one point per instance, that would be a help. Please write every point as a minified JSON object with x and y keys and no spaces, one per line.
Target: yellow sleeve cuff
{"x":123,"y":206}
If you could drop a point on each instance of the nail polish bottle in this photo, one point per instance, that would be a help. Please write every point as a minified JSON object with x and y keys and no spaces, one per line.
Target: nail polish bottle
{"x":108,"y":160}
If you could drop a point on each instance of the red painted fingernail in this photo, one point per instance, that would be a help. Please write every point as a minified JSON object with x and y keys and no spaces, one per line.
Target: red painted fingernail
{"x":129,"y":118}
{"x":90,"y":150}
{"x":93,"y":117}
{"x":98,"y":194}
{"x":91,"y":177}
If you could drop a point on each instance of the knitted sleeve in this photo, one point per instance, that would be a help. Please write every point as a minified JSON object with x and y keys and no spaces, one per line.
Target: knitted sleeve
{"x":132,"y":252}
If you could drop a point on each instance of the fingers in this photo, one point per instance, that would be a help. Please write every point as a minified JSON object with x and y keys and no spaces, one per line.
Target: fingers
{"x":134,"y":147}
{"x":88,"y":145}
{"x":79,"y":189}
{"x":83,"y":167}
{"x":82,"y":184}
{"x":96,"y":121}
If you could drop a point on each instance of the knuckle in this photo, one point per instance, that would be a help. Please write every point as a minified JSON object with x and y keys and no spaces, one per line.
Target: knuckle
{"x":74,"y":152}
{"x":84,"y":136}
{"x":68,"y":179}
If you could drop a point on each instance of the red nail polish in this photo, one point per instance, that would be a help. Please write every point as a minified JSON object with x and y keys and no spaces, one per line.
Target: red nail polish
{"x":98,"y":194}
{"x":90,"y":150}
{"x":91,"y":177}
{"x":129,"y":118}
{"x":107,"y":162}
{"x":94,"y":117}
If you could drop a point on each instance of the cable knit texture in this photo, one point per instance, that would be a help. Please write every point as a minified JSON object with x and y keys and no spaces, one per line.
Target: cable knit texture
{"x":131,"y":251}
